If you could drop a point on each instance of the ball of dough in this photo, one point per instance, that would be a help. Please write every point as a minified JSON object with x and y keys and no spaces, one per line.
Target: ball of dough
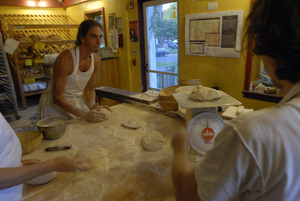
{"x":153,"y":141}
{"x":106,"y":112}
{"x":201,"y":93}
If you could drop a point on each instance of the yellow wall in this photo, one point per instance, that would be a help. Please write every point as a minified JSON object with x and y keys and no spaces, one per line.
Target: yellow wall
{"x":130,"y":76}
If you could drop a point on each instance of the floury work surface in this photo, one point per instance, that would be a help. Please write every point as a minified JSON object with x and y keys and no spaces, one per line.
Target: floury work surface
{"x":124,"y":169}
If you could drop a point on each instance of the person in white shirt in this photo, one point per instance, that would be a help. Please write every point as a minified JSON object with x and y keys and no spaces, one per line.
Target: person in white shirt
{"x":13,"y":174}
{"x":256,"y":156}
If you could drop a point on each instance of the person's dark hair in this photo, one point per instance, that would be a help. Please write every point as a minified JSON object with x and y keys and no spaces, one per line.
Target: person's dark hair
{"x":274,"y":27}
{"x":83,"y":29}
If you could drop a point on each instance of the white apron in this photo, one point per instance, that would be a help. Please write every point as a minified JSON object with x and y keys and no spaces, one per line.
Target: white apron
{"x":74,"y":88}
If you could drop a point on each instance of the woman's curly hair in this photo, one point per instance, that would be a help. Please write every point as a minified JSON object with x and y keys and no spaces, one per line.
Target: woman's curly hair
{"x":274,"y":26}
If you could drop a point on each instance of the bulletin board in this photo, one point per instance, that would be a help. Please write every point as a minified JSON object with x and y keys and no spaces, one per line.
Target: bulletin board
{"x":216,"y":34}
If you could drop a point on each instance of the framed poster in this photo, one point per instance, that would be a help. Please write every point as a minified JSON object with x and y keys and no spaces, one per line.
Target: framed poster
{"x":133,"y":31}
{"x":197,"y":48}
{"x":218,"y":34}
{"x":199,"y":27}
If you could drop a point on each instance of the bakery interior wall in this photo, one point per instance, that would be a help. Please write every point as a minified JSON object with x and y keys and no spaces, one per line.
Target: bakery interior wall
{"x":226,"y":73}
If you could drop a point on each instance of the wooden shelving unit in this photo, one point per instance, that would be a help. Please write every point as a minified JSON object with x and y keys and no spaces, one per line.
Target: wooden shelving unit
{"x":38,"y":35}
{"x":8,"y":100}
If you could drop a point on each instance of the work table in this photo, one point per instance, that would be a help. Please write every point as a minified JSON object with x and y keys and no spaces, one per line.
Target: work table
{"x":124,"y":170}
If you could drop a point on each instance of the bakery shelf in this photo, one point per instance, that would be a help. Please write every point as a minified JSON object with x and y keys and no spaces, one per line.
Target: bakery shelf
{"x":8,"y":100}
{"x":262,"y":96}
{"x":32,"y":93}
{"x":39,"y":35}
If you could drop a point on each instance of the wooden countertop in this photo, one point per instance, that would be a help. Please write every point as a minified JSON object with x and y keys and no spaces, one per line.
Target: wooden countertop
{"x":124,"y":170}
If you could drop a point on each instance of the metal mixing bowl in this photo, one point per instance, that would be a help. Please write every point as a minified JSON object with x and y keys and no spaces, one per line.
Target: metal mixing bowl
{"x":53,"y":127}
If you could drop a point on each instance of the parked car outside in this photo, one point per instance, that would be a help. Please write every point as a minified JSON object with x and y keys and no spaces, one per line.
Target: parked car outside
{"x":172,"y":45}
{"x":162,"y":52}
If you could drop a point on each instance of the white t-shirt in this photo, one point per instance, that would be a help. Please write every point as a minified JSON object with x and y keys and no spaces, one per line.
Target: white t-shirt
{"x":10,"y":156}
{"x":256,"y":156}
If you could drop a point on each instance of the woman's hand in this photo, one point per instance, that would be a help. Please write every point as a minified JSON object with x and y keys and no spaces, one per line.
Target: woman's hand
{"x":68,"y":164}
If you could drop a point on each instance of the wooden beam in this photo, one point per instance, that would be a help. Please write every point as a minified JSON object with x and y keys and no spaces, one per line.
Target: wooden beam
{"x":24,"y":3}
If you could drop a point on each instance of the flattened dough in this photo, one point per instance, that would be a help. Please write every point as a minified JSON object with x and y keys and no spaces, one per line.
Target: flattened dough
{"x":97,"y":157}
{"x":202,"y":93}
{"x":153,"y":141}
{"x":42,"y":179}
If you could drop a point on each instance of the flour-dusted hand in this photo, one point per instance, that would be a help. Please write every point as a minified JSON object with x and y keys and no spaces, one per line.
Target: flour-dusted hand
{"x":69,"y":164}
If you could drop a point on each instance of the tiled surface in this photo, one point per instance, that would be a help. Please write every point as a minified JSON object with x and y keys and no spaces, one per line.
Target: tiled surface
{"x":28,"y":117}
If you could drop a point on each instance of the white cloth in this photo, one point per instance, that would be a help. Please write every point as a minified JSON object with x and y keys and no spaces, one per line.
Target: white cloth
{"x":10,"y":156}
{"x":256,"y":156}
{"x":74,"y":88}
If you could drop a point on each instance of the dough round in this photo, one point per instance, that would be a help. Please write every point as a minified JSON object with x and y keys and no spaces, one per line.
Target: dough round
{"x":201,"y":93}
{"x":96,"y":157}
{"x":106,"y":112}
{"x":42,"y":179}
{"x":153,"y":141}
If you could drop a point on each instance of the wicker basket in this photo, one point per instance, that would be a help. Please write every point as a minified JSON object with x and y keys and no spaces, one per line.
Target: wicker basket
{"x":168,"y":105}
{"x":30,"y":140}
{"x":166,"y":100}
{"x":189,"y":82}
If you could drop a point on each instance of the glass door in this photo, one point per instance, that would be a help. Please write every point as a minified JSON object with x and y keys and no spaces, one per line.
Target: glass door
{"x":161,"y":43}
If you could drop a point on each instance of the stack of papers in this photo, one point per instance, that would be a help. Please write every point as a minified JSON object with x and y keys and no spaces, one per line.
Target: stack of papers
{"x":233,"y":111}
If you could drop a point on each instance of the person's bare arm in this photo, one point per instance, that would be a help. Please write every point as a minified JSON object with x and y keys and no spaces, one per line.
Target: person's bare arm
{"x":18,"y":175}
{"x":183,"y":175}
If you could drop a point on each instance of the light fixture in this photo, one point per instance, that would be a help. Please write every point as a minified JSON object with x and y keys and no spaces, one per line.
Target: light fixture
{"x":42,"y":3}
{"x":31,"y":3}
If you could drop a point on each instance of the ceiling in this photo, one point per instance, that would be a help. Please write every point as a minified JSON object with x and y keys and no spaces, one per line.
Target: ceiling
{"x":49,"y":3}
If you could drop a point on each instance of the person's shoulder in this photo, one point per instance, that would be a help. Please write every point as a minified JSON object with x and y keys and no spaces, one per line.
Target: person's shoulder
{"x":65,"y":54}
{"x":96,"y":59}
{"x":64,"y":58}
